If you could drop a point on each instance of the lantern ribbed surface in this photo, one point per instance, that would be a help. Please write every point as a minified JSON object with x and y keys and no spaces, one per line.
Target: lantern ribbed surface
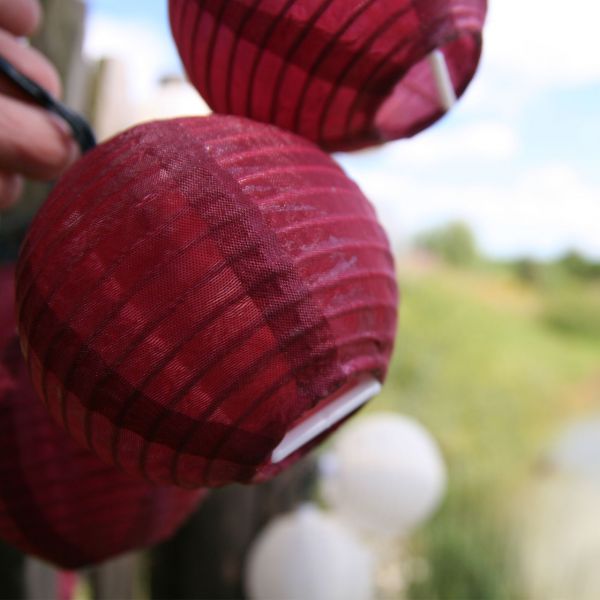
{"x":342,"y":73}
{"x":57,"y":500}
{"x":194,"y":288}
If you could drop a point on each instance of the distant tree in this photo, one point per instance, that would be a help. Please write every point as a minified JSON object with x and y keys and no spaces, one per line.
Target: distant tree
{"x":453,"y":243}
{"x":573,"y":263}
{"x":529,"y":270}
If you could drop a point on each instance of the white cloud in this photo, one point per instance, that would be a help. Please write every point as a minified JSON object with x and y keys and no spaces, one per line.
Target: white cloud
{"x":482,"y":140}
{"x":543,"y":212}
{"x":533,"y":47}
{"x":548,"y":41}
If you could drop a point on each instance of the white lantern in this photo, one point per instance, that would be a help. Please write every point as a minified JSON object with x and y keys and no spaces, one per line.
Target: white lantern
{"x":386,"y":475}
{"x":307,"y":555}
{"x":577,"y":450}
{"x":559,"y":540}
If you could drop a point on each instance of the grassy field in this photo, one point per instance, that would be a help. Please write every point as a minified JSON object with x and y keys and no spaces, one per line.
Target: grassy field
{"x":483,"y":361}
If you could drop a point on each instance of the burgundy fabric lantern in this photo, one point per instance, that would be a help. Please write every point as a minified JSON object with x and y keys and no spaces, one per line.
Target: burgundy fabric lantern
{"x":57,"y":500}
{"x":342,"y":73}
{"x":201,"y":300}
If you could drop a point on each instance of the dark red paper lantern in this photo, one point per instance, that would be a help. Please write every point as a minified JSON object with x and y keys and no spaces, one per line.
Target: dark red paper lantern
{"x":57,"y":500}
{"x":194,"y":290}
{"x":343,"y":73}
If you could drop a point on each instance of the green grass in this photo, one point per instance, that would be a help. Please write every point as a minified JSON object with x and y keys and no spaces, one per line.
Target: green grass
{"x":575,"y":310}
{"x":478,"y":362}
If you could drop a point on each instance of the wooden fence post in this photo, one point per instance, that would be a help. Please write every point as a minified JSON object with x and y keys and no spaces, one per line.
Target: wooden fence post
{"x":115,"y":579}
{"x":12,"y":582}
{"x":205,"y":559}
{"x":41,"y":580}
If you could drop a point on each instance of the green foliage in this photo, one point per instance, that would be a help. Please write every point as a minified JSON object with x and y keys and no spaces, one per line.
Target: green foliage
{"x":529,"y":270}
{"x":491,"y":380}
{"x":464,"y":563}
{"x":574,"y":311}
{"x":570,"y":268}
{"x":578,"y":266}
{"x":453,"y":243}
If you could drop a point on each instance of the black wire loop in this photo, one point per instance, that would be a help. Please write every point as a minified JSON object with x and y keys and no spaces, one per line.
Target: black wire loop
{"x":82,"y":132}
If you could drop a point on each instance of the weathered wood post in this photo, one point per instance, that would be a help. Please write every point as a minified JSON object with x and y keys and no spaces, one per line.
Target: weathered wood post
{"x":205,"y":559}
{"x":12,"y":582}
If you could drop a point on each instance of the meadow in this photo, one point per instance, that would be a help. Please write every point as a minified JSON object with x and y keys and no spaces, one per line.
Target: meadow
{"x":494,"y":359}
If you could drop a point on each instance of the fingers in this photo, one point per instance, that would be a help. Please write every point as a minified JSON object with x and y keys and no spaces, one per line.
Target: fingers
{"x":33,"y":142}
{"x":20,"y":17}
{"x":11,"y":186}
{"x":30,"y":62}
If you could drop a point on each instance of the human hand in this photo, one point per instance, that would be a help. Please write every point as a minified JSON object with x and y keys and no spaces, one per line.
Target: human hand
{"x":33,"y":142}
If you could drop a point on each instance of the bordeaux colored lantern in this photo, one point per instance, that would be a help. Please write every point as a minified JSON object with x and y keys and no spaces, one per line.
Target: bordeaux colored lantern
{"x":202,"y":300}
{"x":342,"y":73}
{"x":57,"y":500}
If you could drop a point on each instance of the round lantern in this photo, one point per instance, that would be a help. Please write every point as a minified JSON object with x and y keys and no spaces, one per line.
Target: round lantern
{"x":57,"y":500}
{"x":577,"y":450}
{"x":308,"y":554}
{"x":201,"y":300}
{"x":559,"y":539}
{"x":389,"y":474}
{"x":343,"y":73}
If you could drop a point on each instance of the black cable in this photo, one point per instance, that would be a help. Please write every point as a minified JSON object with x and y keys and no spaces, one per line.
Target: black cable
{"x":82,"y":132}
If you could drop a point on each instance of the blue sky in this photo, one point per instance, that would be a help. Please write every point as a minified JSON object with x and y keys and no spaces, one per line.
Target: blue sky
{"x":518,"y":158}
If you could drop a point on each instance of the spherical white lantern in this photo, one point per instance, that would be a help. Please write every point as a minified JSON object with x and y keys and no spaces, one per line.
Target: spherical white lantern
{"x":577,"y":450}
{"x":559,"y":540}
{"x":386,"y":475}
{"x":308,"y":555}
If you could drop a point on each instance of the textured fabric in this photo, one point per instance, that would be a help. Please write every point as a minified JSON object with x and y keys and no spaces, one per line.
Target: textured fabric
{"x":193,"y":287}
{"x":57,"y":500}
{"x":342,"y":73}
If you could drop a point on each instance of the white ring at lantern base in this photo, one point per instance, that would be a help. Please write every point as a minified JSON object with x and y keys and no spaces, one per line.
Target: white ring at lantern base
{"x":327,"y":417}
{"x":443,"y":82}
